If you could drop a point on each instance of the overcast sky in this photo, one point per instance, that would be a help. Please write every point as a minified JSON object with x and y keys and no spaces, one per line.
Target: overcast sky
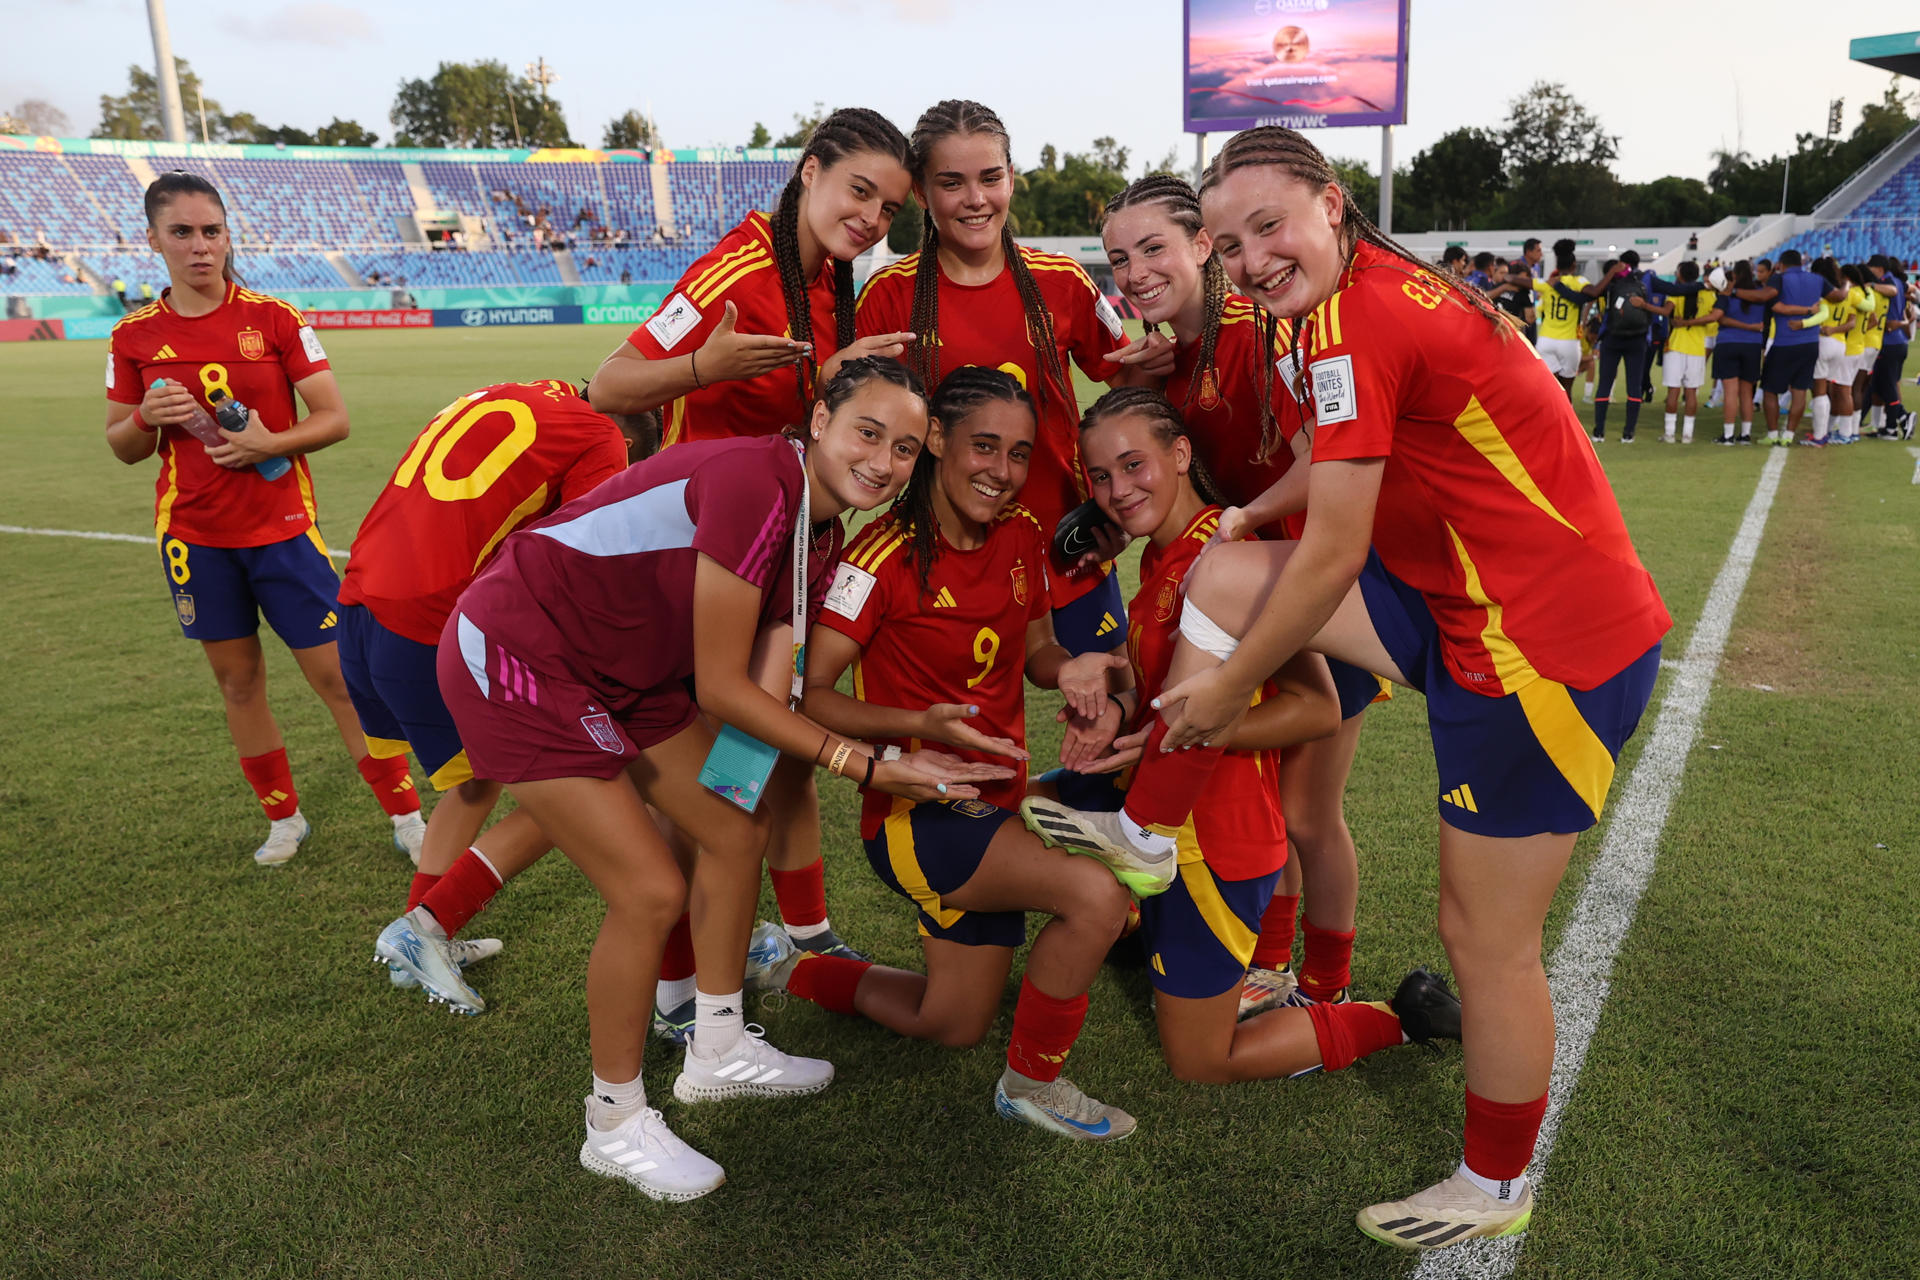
{"x":1057,"y":73}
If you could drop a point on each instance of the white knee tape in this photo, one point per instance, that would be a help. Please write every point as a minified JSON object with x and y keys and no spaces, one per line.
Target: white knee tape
{"x":1204,"y":633}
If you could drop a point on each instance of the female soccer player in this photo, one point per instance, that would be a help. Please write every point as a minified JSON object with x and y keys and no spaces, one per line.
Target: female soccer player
{"x":233,"y":544}
{"x":939,"y":608}
{"x":1736,"y":357}
{"x":1835,"y":320}
{"x":1201,"y":908}
{"x":1245,"y":427}
{"x":971,"y":296}
{"x":1684,"y":366}
{"x":1500,"y":581}
{"x":1559,"y":343}
{"x":698,"y":550}
{"x":736,"y":350}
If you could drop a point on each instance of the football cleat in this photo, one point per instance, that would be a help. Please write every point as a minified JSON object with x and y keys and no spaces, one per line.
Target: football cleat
{"x":1266,"y":989}
{"x":465,"y":951}
{"x":284,"y":839}
{"x":1059,"y":1107}
{"x":674,"y":1025}
{"x":826,"y":943}
{"x":751,"y":1069}
{"x":1299,"y":999}
{"x":1101,"y":836}
{"x":409,"y":833}
{"x":416,"y":944}
{"x":1445,"y":1214}
{"x":1427,"y":1010}
{"x":771,"y":957}
{"x":642,"y":1151}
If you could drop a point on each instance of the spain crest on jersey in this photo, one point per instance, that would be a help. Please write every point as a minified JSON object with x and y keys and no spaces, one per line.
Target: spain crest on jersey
{"x":183,"y":605}
{"x":1209,"y":389}
{"x":1019,"y":576}
{"x":600,"y":728}
{"x":1169,"y":597}
{"x":253,"y":343}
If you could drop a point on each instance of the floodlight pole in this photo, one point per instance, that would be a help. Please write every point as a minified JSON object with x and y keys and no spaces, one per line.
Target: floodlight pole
{"x":173,"y":121}
{"x":1199,"y":158}
{"x":1385,"y":220}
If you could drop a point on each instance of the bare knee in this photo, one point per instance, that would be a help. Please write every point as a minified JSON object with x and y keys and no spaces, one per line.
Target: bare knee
{"x":478,"y":792}
{"x":1194,"y":1068}
{"x":1480,"y":950}
{"x":1098,"y":902}
{"x":960,"y":1033}
{"x":242,"y":685}
{"x":653,"y":907}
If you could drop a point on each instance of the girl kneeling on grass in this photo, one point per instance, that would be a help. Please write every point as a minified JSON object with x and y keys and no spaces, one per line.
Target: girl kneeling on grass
{"x":939,"y":608}
{"x":571,"y":667}
{"x":1203,"y":896}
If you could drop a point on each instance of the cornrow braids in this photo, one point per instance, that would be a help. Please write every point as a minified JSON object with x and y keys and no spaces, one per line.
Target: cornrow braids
{"x":1164,"y":420}
{"x":958,"y":117}
{"x":1284,"y":149}
{"x":1182,"y":206}
{"x":849,"y":378}
{"x":847,"y":131}
{"x":963,"y":391}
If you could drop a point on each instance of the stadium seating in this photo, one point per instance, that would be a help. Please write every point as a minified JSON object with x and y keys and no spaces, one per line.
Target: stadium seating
{"x":1887,"y":221}
{"x":34,"y":276}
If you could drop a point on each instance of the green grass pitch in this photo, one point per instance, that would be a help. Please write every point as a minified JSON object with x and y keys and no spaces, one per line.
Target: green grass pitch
{"x":204,"y":1075}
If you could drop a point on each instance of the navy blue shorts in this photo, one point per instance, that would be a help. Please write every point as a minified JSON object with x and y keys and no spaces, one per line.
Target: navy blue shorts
{"x":395,"y":688}
{"x":1537,"y":760}
{"x":925,"y":850}
{"x":1199,"y":934}
{"x":1736,"y":360}
{"x":1789,"y":368}
{"x":1356,"y":687}
{"x":219,"y":593}
{"x":1094,"y":622}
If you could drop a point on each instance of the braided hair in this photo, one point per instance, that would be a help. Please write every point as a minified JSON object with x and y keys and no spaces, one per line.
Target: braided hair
{"x":1164,"y":420}
{"x":1276,"y":147}
{"x":957,"y":117}
{"x":178,"y":182}
{"x":845,"y":132}
{"x":965,"y":390}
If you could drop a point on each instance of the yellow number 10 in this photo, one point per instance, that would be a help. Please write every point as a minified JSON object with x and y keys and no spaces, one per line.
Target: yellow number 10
{"x":447,"y":430}
{"x":986,"y":647}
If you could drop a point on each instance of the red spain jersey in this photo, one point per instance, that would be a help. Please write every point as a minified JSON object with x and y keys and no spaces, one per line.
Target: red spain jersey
{"x":253,"y":347}
{"x":1223,"y":412}
{"x":1236,"y":823}
{"x":962,"y":637}
{"x":1492,"y":503}
{"x":740,"y":269}
{"x":987,"y":325}
{"x":493,"y":461}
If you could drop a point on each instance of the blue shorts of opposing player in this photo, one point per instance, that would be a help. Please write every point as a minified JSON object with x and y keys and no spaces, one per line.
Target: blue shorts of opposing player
{"x":925,"y":850}
{"x":395,"y":689}
{"x":1539,"y":759}
{"x":220,"y":593}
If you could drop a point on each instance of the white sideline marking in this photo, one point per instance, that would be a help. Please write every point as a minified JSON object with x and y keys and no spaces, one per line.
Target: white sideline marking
{"x":1581,"y":970}
{"x":97,"y":536}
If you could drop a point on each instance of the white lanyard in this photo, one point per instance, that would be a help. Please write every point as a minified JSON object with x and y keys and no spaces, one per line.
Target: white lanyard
{"x":802,"y":534}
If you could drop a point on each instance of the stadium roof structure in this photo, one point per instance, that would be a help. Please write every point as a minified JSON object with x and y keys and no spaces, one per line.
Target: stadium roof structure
{"x":1899,"y":54}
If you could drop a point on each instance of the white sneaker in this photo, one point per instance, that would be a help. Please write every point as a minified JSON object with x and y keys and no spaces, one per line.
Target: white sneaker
{"x":1266,"y":989}
{"x":409,"y":833}
{"x":752,"y":1068}
{"x":284,"y":839}
{"x":642,"y":1151}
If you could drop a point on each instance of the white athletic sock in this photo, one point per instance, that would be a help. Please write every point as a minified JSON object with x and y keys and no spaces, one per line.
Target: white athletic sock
{"x":1505,"y":1190}
{"x":1144,"y":840}
{"x":717,"y":1023}
{"x":1686,"y":430}
{"x":1746,"y":427}
{"x":1672,"y":421}
{"x":1877,"y":418}
{"x":807,"y":930}
{"x":670,"y":993}
{"x":1849,"y":423}
{"x":613,"y":1103}
{"x":1726,"y":427}
{"x":1822,"y":416}
{"x":1719,"y":393}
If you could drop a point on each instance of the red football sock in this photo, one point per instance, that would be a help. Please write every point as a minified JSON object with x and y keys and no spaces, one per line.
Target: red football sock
{"x":1500,"y":1135}
{"x":1327,"y":964}
{"x":417,"y":891}
{"x":676,"y":963}
{"x":272,"y":780}
{"x":468,"y":886}
{"x":1349,"y":1032}
{"x":392,"y":784}
{"x":1167,"y":784}
{"x":1044,"y":1029}
{"x":802,"y":894}
{"x":1275,"y":945}
{"x":828,"y":981}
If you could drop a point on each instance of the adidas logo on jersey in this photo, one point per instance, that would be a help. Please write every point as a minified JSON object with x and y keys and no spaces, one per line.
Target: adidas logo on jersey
{"x":945,"y":600}
{"x":165,"y":353}
{"x":1461,"y":797}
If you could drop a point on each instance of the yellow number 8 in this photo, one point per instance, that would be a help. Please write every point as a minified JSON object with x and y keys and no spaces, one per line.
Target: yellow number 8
{"x":176,"y":553}
{"x":213,"y":377}
{"x":986,"y":647}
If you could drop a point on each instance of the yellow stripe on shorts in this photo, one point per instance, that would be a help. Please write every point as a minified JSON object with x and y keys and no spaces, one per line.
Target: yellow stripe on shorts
{"x":1228,"y":927}
{"x":452,"y":773}
{"x":1569,"y":741}
{"x":905,"y":861}
{"x":386,"y":748}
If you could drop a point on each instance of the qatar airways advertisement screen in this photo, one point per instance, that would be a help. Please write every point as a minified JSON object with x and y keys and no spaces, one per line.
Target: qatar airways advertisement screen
{"x":1306,"y":64}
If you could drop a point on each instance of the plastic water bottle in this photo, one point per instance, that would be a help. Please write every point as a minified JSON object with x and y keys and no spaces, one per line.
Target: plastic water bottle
{"x":228,"y":415}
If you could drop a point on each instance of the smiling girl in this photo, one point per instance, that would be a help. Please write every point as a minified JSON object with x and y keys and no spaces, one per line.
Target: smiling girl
{"x":233,"y":543}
